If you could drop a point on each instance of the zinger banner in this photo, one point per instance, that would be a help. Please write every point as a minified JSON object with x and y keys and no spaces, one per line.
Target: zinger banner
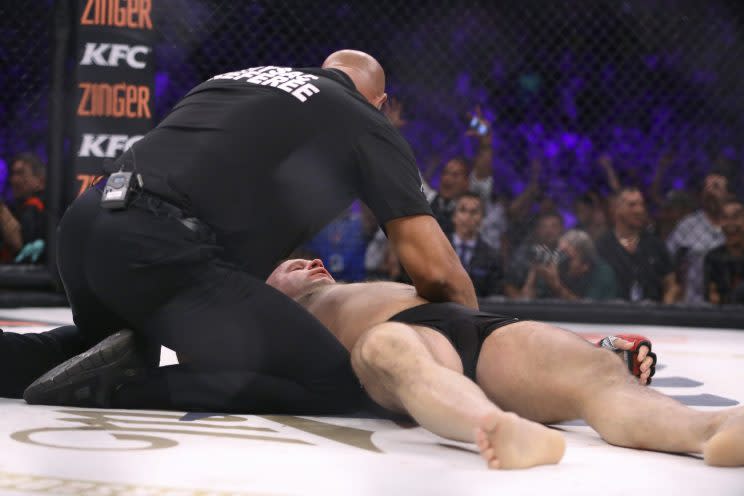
{"x":114,"y":82}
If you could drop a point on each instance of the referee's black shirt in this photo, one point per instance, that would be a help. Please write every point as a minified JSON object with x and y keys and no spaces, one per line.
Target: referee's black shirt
{"x":267,"y":156}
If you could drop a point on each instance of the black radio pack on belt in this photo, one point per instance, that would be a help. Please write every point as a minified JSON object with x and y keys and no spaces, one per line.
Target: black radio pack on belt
{"x":120,"y":187}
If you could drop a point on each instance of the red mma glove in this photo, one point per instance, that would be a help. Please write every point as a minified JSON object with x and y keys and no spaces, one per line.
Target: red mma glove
{"x":630,"y":357}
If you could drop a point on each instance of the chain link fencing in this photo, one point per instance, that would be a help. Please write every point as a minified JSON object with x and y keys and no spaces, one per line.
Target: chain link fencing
{"x":580,"y":98}
{"x":25,"y":59}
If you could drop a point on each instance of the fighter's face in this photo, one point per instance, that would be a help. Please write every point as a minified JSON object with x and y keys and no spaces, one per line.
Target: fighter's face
{"x":298,"y":276}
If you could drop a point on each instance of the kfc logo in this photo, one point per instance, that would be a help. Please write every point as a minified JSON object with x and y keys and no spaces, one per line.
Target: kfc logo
{"x":106,"y":145}
{"x":111,"y":54}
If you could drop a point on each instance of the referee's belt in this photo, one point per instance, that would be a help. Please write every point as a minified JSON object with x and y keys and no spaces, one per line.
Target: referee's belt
{"x":157,"y":205}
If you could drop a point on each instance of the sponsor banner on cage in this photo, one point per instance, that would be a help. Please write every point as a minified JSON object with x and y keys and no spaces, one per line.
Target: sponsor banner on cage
{"x":98,"y":139}
{"x":114,"y":82}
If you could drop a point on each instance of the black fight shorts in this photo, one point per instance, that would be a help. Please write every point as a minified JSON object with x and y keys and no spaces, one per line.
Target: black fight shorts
{"x":464,"y":327}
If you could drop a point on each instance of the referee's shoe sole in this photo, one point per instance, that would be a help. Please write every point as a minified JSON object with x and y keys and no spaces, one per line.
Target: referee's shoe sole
{"x":90,"y":379}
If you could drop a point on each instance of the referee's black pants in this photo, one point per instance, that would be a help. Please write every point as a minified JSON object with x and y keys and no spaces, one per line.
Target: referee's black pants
{"x":247,"y":346}
{"x":25,"y":357}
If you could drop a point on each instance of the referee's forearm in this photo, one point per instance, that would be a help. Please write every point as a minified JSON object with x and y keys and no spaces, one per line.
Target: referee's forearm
{"x":464,"y":294}
{"x":457,"y":287}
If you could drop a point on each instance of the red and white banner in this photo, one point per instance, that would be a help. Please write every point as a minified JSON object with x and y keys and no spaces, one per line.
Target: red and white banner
{"x":114,"y":82}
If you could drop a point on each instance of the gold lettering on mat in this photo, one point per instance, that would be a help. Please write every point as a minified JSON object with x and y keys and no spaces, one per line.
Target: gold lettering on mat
{"x":350,"y":436}
{"x":152,"y":431}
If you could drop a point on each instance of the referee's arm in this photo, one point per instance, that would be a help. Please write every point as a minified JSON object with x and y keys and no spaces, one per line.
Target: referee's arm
{"x":430,"y":261}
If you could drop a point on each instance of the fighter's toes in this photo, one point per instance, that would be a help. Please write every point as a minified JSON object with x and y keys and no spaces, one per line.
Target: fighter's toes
{"x":481,"y":440}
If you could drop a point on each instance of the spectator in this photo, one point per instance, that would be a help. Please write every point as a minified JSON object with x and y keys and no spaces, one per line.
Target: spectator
{"x":481,"y":177}
{"x":599,"y":224}
{"x":590,"y":215}
{"x":520,"y":209}
{"x":535,"y":251}
{"x":23,"y":225}
{"x":494,"y":223}
{"x":452,"y":183}
{"x":724,"y":266}
{"x":584,"y":211}
{"x":607,"y":165}
{"x":341,"y":245}
{"x":639,"y":259}
{"x":481,"y":260}
{"x":573,"y":272}
{"x":676,"y":205}
{"x":727,"y":163}
{"x":455,"y":180}
{"x":665,"y":160}
{"x":697,"y":234}
{"x":526,"y":209}
{"x":654,"y":193}
{"x":380,"y":261}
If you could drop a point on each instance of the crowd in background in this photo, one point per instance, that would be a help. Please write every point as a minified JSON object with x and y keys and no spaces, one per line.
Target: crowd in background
{"x":623,"y":241}
{"x":618,"y":241}
{"x":605,"y":162}
{"x":23,"y":218}
{"x":626,"y":241}
{"x":632,"y":244}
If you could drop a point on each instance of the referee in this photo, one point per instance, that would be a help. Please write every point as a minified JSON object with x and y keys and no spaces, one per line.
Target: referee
{"x":246,"y":167}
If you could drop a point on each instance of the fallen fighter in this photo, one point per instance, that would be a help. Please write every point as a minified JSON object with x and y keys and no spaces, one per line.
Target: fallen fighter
{"x":449,"y":367}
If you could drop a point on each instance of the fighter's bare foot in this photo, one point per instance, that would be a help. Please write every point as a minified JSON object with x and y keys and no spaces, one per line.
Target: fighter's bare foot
{"x":726,"y":447}
{"x":508,"y":441}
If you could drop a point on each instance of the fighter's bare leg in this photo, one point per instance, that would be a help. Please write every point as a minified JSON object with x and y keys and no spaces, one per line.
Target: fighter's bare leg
{"x":415,"y":370}
{"x":547,"y":374}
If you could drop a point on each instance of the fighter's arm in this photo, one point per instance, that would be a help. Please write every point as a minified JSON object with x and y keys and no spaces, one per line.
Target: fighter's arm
{"x":430,"y":261}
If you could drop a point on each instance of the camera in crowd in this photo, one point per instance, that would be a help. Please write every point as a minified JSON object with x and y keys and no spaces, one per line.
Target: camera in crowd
{"x":543,"y":255}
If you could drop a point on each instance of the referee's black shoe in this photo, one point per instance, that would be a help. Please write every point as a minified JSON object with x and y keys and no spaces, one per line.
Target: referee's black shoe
{"x":91,"y":378}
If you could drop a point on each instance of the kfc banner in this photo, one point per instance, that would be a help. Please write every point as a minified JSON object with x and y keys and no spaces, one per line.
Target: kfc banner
{"x":114,"y":82}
